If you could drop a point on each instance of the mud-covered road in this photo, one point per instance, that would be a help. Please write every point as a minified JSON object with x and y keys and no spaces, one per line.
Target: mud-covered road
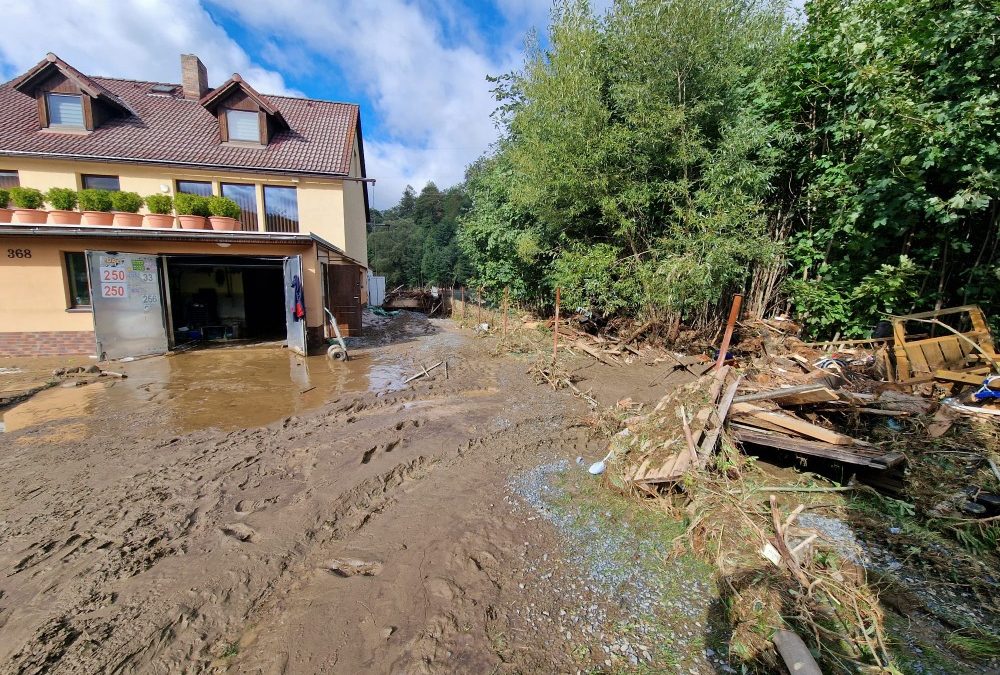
{"x":129,"y":543}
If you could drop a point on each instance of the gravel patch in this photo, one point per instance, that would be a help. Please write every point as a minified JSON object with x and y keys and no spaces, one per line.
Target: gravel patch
{"x":665,"y":602}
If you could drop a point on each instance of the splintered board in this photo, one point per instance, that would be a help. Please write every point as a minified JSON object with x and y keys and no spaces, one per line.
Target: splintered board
{"x":861,"y":455}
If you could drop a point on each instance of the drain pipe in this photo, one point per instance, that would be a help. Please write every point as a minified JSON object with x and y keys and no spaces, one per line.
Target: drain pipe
{"x":338,"y":352}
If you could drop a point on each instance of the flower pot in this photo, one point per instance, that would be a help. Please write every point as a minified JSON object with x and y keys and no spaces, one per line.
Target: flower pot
{"x":224,"y":223}
{"x":29,"y":216}
{"x":193,"y":222}
{"x":160,"y":220}
{"x":122,"y":219}
{"x":97,"y":218}
{"x":5,"y":215}
{"x":60,"y":217}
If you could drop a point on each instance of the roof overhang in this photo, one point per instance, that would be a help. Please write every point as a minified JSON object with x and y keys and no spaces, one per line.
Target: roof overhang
{"x":262,"y":239}
{"x":29,"y":81}
{"x":212,"y":99}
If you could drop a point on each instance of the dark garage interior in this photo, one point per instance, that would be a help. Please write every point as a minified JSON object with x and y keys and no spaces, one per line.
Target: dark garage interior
{"x":226,"y":298}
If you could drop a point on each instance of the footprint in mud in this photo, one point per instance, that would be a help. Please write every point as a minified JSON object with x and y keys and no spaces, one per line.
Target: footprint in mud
{"x":402,"y":425}
{"x":245,"y":506}
{"x":443,"y":588}
{"x":382,"y":447}
{"x":239,"y":531}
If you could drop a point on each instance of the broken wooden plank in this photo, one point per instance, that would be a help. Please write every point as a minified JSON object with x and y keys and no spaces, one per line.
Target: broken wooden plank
{"x":712,"y":437}
{"x":750,"y":414}
{"x":962,"y":378}
{"x":859,"y":455}
{"x":799,"y":395}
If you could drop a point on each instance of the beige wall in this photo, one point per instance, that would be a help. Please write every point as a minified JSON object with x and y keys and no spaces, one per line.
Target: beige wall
{"x":34,"y":293}
{"x":322,"y":208}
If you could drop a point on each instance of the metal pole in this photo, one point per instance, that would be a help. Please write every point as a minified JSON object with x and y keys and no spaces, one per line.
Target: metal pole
{"x":555,"y":332}
{"x":734,"y":313}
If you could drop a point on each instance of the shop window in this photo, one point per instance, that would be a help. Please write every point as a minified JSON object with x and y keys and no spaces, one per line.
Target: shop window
{"x":194,"y":187}
{"x":76,"y":276}
{"x":9,"y":179}
{"x":246,"y":197}
{"x":95,"y":182}
{"x":281,"y":209}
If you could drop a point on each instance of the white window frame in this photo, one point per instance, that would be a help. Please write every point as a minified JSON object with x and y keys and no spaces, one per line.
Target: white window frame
{"x":229,"y":112}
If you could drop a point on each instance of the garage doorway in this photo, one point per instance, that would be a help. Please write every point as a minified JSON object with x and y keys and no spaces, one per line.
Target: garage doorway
{"x":225,"y":298}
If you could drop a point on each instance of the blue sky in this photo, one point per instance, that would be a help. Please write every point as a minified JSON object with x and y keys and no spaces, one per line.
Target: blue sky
{"x":417,"y":67}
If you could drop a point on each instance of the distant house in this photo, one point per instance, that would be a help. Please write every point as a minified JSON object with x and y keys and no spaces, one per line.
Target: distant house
{"x":295,"y":166}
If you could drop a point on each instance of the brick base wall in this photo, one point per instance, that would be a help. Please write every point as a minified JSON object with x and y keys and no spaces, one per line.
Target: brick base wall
{"x":47,"y":343}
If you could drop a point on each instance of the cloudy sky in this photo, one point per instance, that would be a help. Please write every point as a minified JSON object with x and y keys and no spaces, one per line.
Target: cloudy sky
{"x":417,"y":67}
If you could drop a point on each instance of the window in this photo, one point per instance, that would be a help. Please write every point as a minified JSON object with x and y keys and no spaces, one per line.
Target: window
{"x":76,"y":275}
{"x":281,"y":209}
{"x":194,"y":187}
{"x":65,"y":110}
{"x":246,"y":197}
{"x":92,"y":182}
{"x":243,"y":125}
{"x":9,"y":179}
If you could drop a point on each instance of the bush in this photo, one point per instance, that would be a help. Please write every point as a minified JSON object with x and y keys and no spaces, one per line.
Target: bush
{"x":61,"y":199}
{"x":161,"y":204}
{"x":95,"y":200}
{"x":223,"y":206}
{"x":191,"y":205}
{"x":26,"y":198}
{"x":4,"y":198}
{"x":126,"y":202}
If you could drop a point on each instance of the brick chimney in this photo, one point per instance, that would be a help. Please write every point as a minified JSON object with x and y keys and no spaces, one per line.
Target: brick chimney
{"x":194,"y":77}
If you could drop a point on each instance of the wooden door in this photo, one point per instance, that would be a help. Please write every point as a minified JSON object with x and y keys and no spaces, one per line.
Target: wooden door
{"x":344,"y":296}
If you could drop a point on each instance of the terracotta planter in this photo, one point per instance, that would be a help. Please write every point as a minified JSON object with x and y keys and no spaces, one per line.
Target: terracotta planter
{"x":29,"y":216}
{"x":160,"y":220}
{"x":5,"y":215}
{"x":122,"y":219}
{"x":224,"y":223}
{"x":193,"y":222}
{"x":59,"y":217}
{"x":97,"y":218}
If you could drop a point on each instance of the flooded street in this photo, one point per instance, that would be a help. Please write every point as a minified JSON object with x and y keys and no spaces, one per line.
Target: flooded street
{"x":191,"y":517}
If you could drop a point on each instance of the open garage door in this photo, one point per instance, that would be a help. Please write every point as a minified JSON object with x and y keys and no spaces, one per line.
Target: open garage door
{"x":295,"y":318}
{"x":127,"y":301}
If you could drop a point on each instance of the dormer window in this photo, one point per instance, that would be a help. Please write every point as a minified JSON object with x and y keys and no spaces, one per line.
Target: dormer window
{"x":67,"y":99}
{"x":243,"y":125}
{"x":245,"y":117}
{"x":65,"y":110}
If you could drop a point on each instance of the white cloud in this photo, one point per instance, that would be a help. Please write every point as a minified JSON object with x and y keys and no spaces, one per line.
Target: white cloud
{"x":432,"y":100}
{"x":142,"y":40}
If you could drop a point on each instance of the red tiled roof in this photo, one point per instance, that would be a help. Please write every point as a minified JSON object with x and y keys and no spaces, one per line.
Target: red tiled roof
{"x":173,"y":130}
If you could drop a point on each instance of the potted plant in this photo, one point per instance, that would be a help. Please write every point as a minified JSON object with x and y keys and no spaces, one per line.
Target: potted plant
{"x":27,"y":202}
{"x":192,"y":211}
{"x":160,"y":212}
{"x":96,"y":207}
{"x":224,"y":212}
{"x":125,"y":206}
{"x":63,"y":203}
{"x":5,"y":213}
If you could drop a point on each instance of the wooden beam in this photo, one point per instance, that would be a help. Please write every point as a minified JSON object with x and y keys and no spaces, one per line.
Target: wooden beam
{"x":791,"y":423}
{"x":861,"y":456}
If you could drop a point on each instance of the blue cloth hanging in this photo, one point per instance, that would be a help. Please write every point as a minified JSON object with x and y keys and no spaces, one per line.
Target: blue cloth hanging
{"x":299,"y":299}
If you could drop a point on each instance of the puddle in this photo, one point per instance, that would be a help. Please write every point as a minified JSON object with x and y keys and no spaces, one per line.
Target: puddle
{"x":223,"y":388}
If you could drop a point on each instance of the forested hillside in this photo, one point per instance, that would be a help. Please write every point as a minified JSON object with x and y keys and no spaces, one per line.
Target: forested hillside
{"x":414,"y":242}
{"x":659,"y":158}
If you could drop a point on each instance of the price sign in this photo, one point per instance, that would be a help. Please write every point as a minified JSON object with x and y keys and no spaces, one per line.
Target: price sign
{"x":113,"y":290}
{"x":114,"y":278}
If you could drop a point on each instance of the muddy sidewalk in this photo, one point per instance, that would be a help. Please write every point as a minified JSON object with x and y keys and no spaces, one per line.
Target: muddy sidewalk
{"x":135,"y":546}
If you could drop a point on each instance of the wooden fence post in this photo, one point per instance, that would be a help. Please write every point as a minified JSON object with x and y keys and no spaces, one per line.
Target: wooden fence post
{"x":479,"y":307}
{"x":506,"y":308}
{"x":555,"y":332}
{"x":463,"y":303}
{"x":734,"y":313}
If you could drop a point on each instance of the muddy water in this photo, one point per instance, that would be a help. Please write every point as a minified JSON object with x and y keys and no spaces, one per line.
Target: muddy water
{"x":221,"y":388}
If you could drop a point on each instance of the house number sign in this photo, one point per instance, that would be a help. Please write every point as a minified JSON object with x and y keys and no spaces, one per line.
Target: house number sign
{"x":19,"y":253}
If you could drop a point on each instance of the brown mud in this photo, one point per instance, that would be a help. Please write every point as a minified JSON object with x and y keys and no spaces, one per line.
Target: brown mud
{"x":188,"y":518}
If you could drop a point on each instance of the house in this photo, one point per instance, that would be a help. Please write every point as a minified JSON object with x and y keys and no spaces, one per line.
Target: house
{"x":295,"y":166}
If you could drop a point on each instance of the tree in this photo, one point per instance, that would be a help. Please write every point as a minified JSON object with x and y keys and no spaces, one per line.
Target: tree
{"x":894,"y":108}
